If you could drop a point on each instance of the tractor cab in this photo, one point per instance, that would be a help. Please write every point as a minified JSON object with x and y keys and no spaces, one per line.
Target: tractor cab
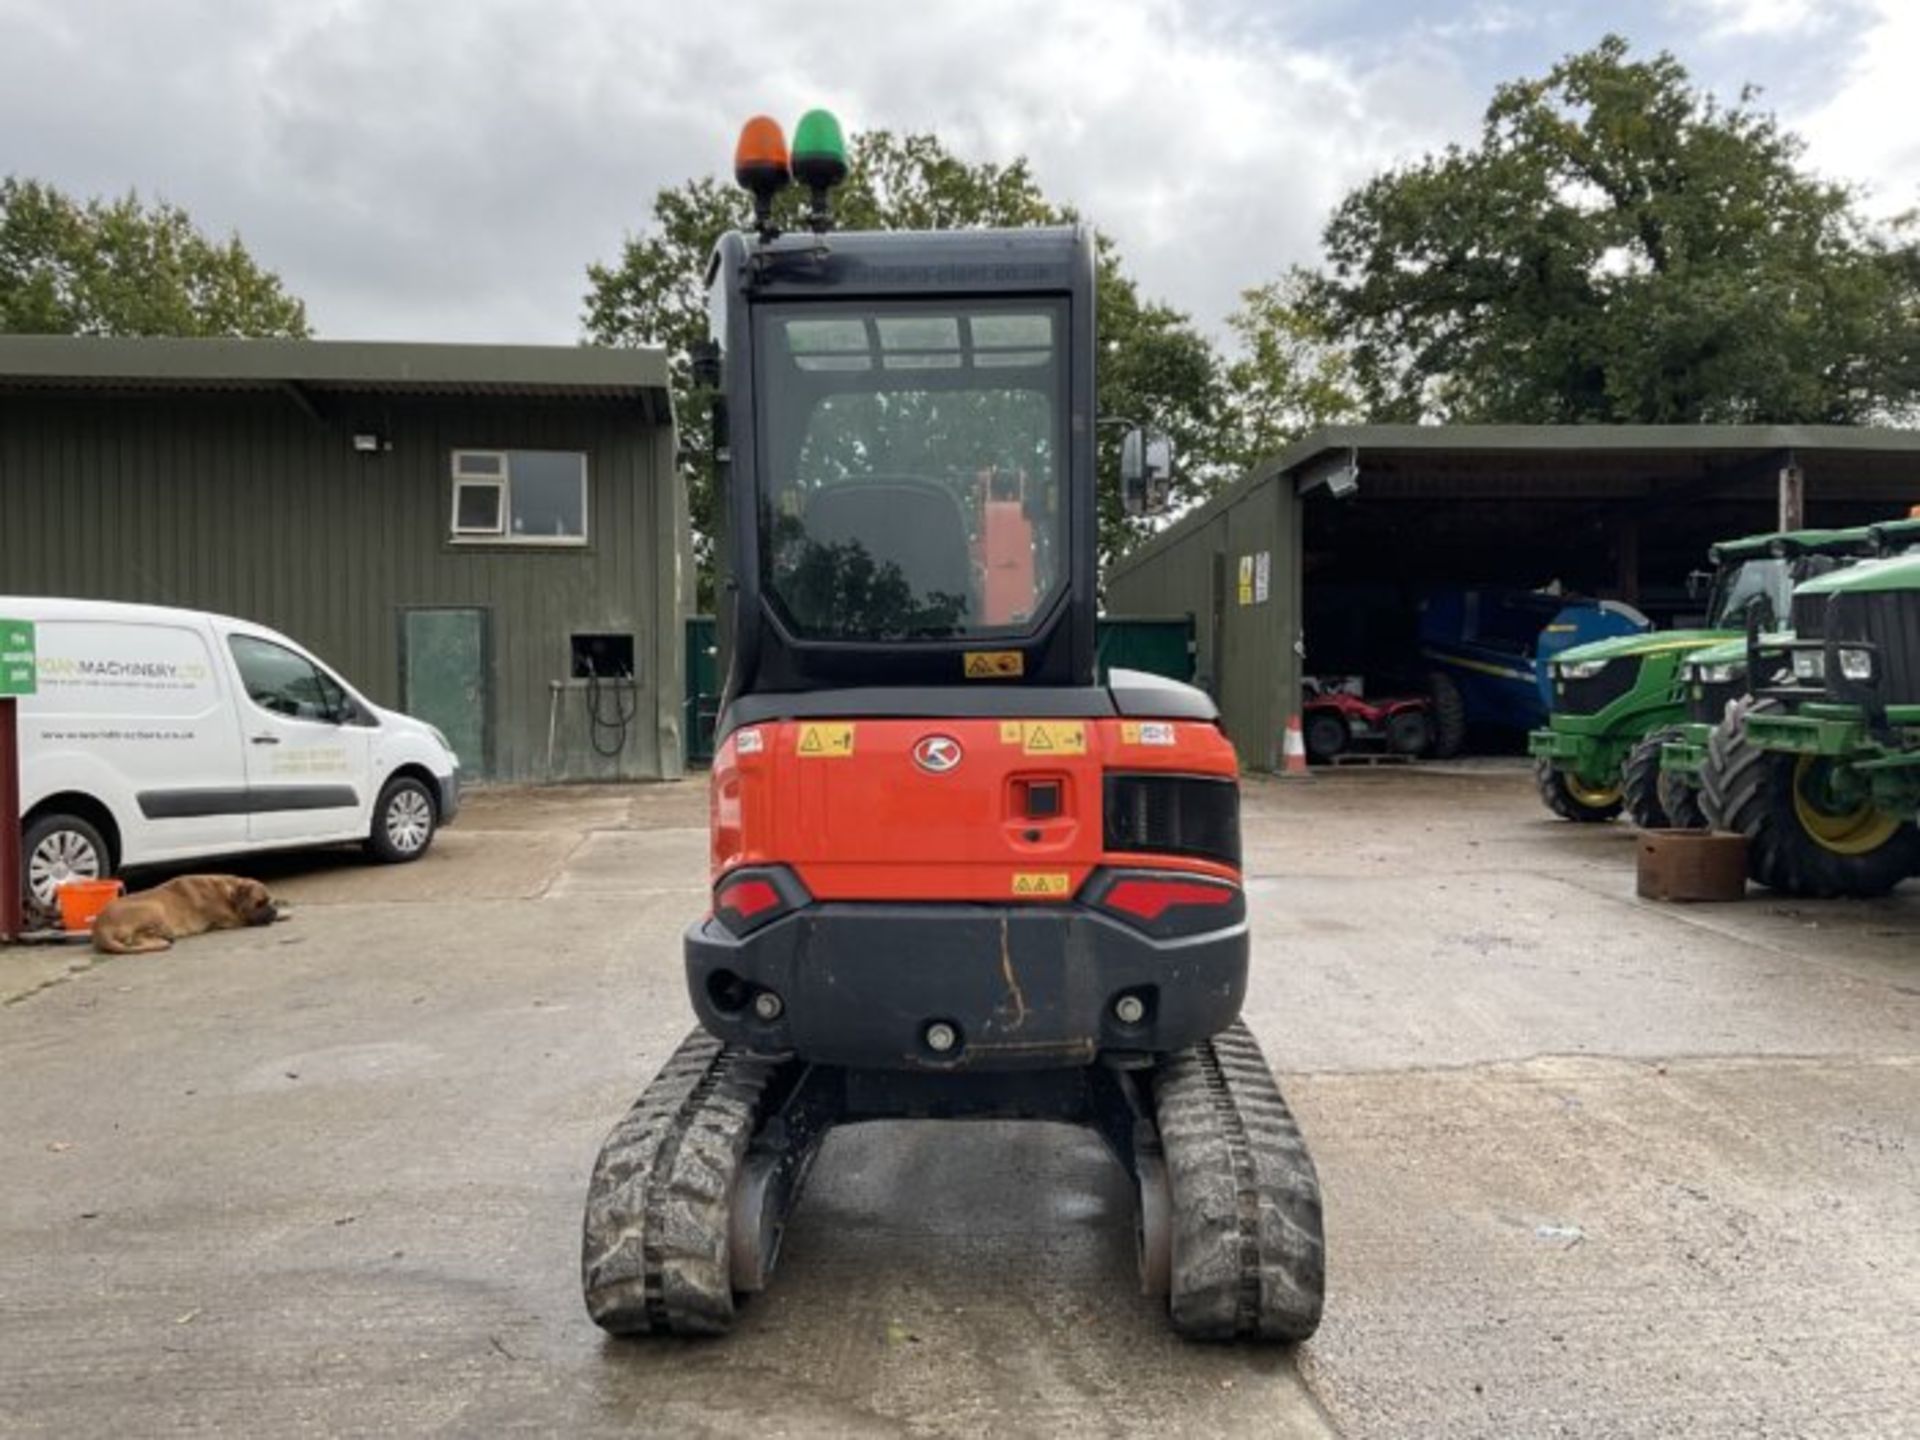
{"x":1753,"y":578}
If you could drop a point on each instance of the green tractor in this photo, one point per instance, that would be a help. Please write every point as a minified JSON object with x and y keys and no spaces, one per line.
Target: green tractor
{"x":1715,"y":678}
{"x":1615,"y":700}
{"x":1821,"y":771}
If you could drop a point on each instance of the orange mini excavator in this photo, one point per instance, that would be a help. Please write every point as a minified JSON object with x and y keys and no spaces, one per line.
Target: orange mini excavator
{"x":953,"y":875}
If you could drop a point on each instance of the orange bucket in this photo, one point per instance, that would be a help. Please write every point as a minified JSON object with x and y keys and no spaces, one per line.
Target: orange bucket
{"x":82,"y":900}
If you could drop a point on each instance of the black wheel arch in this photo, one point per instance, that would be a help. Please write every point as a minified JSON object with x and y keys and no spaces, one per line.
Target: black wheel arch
{"x":413,"y":770}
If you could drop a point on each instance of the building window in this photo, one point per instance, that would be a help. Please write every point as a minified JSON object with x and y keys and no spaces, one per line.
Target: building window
{"x":520,"y":497}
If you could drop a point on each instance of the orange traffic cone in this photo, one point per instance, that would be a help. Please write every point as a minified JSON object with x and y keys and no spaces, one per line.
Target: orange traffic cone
{"x":1294,"y":752}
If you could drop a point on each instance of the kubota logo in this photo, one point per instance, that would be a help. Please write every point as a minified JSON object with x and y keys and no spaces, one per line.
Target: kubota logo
{"x":937,"y":754}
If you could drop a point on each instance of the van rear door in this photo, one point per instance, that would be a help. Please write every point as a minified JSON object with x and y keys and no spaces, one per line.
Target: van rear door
{"x":138,"y":715}
{"x":306,"y":763}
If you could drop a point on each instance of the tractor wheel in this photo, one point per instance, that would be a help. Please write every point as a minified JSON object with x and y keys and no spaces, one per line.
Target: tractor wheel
{"x":1568,"y":798}
{"x":1326,"y":735}
{"x":1640,"y":781}
{"x":1449,"y":715}
{"x":1681,"y":801}
{"x":1800,"y":840}
{"x":1409,"y":733}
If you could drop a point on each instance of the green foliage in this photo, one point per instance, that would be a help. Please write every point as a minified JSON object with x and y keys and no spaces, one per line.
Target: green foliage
{"x":122,"y":268}
{"x":1154,"y":367}
{"x":1617,"y":248}
{"x":1156,"y":370}
{"x":1291,"y":374}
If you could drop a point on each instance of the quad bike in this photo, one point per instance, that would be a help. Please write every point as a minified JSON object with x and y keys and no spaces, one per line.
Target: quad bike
{"x":1334,"y":721}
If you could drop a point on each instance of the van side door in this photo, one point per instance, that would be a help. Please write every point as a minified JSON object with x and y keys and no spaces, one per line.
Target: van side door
{"x":307,"y":758}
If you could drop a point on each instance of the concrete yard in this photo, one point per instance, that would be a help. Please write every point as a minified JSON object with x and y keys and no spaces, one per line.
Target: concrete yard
{"x":1592,"y":1166}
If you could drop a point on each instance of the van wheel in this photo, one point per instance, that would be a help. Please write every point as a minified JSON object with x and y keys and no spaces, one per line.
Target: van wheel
{"x":403,"y":821}
{"x":59,"y":848}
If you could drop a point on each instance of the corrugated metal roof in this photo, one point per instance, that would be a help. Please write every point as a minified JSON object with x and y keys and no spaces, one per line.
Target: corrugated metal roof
{"x":340,"y":366}
{"x":1617,"y":440}
{"x":1432,"y":459}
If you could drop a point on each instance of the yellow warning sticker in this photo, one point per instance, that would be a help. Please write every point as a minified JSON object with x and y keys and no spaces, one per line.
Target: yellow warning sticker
{"x":825,"y":742}
{"x":1045,"y":737}
{"x":994,"y":664}
{"x":1043,"y":883}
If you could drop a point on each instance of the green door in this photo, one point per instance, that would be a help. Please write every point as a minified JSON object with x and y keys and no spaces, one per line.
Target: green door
{"x":444,"y":678}
{"x":1134,"y":642}
{"x":703,"y":685}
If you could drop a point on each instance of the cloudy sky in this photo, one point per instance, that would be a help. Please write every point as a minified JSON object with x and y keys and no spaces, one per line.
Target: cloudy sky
{"x":446,"y":170}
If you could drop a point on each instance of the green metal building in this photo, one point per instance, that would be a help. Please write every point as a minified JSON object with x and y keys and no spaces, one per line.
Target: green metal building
{"x":1231,"y":567}
{"x":1314,"y":562}
{"x":493,"y":538}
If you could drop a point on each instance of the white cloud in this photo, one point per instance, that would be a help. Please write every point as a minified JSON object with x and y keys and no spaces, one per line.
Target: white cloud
{"x":1764,"y":17}
{"x":1865,"y":132}
{"x":448,"y":170}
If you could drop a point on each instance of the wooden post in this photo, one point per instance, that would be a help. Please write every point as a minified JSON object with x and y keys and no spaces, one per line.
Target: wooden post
{"x":18,"y":676}
{"x":12,"y":922}
{"x":1626,"y":579}
{"x":1793,"y":495}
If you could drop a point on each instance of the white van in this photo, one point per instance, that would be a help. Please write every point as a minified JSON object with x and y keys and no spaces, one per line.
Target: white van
{"x":162,"y":735}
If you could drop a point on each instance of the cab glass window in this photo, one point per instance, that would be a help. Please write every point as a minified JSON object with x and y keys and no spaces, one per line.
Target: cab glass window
{"x":912,"y":466}
{"x":1764,"y":584}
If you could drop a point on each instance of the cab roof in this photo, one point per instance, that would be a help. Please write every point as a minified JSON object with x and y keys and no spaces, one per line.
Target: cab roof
{"x":1855,"y":541}
{"x":1894,"y":572}
{"x":906,"y":263}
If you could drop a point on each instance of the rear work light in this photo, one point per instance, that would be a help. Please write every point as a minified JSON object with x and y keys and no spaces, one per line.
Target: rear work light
{"x":1150,"y":899}
{"x":748,"y":899}
{"x":1168,"y":903}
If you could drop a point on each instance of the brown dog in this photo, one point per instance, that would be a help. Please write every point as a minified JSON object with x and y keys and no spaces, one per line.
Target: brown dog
{"x":191,"y":905}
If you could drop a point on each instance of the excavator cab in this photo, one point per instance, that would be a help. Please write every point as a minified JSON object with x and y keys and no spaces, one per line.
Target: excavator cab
{"x":952,"y":874}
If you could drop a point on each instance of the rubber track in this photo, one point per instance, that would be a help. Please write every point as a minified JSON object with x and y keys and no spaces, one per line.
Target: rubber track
{"x":1640,"y":780}
{"x":1249,"y":1259}
{"x":654,"y":1257}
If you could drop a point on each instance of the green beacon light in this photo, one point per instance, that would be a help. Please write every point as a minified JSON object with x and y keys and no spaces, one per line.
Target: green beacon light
{"x":819,"y":163}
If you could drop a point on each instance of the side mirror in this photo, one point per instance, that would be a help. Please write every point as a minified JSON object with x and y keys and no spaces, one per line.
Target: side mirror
{"x":1146,"y":472}
{"x":1699,"y":582}
{"x":704,"y":364}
